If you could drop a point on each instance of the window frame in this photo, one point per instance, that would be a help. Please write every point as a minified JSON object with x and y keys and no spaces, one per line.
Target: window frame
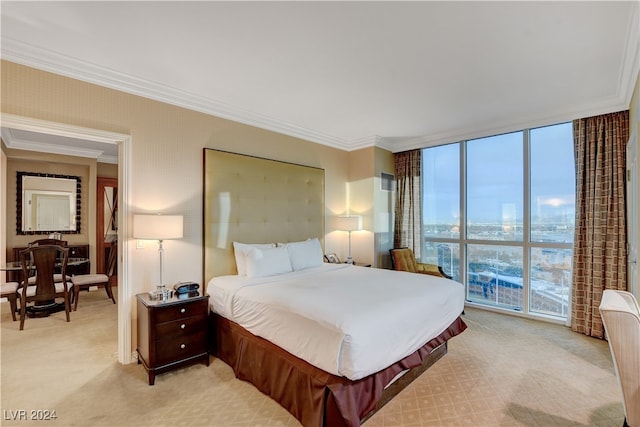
{"x":526,"y":245}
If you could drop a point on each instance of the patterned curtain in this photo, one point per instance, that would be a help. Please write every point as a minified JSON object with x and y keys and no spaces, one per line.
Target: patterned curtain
{"x":407,"y":229}
{"x":599,"y":249}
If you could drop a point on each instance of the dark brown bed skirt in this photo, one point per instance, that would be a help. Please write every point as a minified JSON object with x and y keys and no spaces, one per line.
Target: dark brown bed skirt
{"x":315,"y":397}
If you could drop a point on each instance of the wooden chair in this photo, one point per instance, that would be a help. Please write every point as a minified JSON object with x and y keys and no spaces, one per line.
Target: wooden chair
{"x":43,"y":294}
{"x":8,"y":291}
{"x":41,"y":242}
{"x":403,"y":259}
{"x":55,"y":242}
{"x":85,"y":281}
{"x":621,"y":320}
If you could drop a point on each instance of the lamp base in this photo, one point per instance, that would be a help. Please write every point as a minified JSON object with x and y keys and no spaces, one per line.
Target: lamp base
{"x":349,"y":261}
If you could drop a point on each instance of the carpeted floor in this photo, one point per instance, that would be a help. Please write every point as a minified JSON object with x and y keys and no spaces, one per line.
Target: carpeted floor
{"x":502,"y":371}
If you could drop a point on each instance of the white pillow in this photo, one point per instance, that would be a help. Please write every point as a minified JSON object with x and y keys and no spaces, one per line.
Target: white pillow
{"x":267,"y":262}
{"x":240,"y":251}
{"x":305,"y":254}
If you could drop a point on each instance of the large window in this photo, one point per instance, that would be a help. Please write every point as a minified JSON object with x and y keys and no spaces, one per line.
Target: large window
{"x":498,"y":215}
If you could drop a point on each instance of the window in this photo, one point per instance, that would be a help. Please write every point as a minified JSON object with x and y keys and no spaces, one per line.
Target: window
{"x":498,"y":215}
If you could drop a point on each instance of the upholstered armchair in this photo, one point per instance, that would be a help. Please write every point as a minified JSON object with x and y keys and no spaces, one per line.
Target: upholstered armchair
{"x":403,"y":259}
{"x":621,"y":319}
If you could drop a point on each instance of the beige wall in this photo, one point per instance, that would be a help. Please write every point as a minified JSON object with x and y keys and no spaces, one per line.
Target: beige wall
{"x":376,"y":206}
{"x":384,"y":208}
{"x":28,"y":161}
{"x":107,"y":170}
{"x":166,"y":156}
{"x":3,"y":209}
{"x":360,"y":202}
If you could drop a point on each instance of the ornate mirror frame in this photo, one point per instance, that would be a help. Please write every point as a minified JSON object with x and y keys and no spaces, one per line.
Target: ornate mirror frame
{"x":78,"y":190}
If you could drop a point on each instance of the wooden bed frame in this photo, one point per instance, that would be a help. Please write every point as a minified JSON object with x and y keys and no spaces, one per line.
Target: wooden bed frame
{"x":254,"y":200}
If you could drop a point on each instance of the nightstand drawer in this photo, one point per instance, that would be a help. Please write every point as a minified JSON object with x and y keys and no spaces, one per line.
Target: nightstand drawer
{"x":180,"y":311}
{"x":180,"y":327}
{"x":174,"y":349}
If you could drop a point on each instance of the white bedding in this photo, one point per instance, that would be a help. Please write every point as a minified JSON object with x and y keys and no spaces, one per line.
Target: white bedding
{"x":347,"y":320}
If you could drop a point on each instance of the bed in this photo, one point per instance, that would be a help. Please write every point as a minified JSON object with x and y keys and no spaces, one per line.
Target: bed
{"x":283,"y":328}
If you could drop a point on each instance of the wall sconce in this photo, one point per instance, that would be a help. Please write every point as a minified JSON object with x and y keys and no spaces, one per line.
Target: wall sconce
{"x":158,"y":227}
{"x":349,"y":223}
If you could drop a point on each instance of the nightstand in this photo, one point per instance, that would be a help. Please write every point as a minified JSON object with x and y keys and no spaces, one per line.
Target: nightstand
{"x":171,"y":333}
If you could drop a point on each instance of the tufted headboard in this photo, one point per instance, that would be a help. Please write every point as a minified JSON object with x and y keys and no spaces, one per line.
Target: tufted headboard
{"x":254,"y":200}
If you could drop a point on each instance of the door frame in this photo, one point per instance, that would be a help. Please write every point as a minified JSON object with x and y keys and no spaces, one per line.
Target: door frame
{"x":124,"y":142}
{"x":633,"y":192}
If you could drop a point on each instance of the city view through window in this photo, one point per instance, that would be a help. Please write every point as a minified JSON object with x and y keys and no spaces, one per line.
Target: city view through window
{"x":503,"y":225}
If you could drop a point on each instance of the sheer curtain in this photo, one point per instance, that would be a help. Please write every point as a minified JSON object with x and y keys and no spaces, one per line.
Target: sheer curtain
{"x":599,"y":250}
{"x":407,"y":229}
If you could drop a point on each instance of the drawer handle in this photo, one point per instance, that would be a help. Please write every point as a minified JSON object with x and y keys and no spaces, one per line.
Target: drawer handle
{"x":183,"y":326}
{"x":182,"y":310}
{"x":182,"y":346}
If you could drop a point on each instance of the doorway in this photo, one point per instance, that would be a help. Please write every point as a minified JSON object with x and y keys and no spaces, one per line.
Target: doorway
{"x":123,"y":142}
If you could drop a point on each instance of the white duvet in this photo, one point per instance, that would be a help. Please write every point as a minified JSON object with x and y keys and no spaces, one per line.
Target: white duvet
{"x":347,"y":320}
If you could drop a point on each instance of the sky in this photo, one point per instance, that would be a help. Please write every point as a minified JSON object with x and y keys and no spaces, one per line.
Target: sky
{"x":495,"y":177}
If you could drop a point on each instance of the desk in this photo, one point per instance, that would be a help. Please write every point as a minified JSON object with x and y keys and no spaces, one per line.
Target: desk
{"x":43,"y":309}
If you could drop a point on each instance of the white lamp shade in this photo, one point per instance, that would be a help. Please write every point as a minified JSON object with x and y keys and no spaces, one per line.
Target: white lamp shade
{"x":157,"y":227}
{"x":349,"y":223}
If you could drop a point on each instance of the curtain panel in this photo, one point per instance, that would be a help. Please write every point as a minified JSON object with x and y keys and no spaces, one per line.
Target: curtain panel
{"x":599,"y":250}
{"x":407,"y":230}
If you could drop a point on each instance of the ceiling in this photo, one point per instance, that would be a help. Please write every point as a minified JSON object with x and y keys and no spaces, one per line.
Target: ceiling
{"x":398,"y":75}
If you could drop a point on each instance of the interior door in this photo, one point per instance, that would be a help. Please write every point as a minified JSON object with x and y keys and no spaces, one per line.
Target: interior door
{"x":632,"y":214}
{"x":107,"y":224}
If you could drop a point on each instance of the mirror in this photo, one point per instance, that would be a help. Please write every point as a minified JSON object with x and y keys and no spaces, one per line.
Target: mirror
{"x":48,"y":203}
{"x":110,"y":214}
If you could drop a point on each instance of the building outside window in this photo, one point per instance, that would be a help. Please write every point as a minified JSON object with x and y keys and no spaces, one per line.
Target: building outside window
{"x":499,"y":215}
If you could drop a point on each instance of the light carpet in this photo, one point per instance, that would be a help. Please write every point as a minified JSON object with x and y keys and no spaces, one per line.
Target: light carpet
{"x":502,"y":371}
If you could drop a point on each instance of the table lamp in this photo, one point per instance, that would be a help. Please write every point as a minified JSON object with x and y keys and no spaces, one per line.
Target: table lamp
{"x":349,"y":223}
{"x":158,"y":227}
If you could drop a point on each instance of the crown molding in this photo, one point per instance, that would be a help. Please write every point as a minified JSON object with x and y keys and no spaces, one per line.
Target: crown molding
{"x":46,"y":60}
{"x":11,"y":122}
{"x":60,"y":129}
{"x":107,"y":159}
{"x":35,"y":57}
{"x":51,"y":149}
{"x":365,"y":142}
{"x":15,"y":143}
{"x":525,"y":122}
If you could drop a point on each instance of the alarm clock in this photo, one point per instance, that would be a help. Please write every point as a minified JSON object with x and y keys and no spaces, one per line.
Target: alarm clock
{"x":186,"y":287}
